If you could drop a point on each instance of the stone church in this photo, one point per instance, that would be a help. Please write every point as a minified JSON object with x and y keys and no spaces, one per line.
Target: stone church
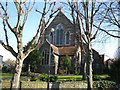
{"x":59,"y":41}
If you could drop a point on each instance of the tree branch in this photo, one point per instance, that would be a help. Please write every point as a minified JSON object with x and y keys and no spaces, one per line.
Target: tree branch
{"x":94,"y":36}
{"x":107,"y":32}
{"x":92,"y":16}
{"x":27,"y":10}
{"x":112,"y":16}
{"x":6,"y":17}
{"x":9,"y":48}
{"x":33,"y":42}
{"x":97,"y":9}
{"x":6,"y":35}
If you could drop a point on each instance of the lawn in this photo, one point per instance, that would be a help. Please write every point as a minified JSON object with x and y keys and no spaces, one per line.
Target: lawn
{"x":98,"y":77}
{"x":5,"y":75}
{"x":79,"y":77}
{"x":63,"y":78}
{"x":70,"y":78}
{"x":60,"y":78}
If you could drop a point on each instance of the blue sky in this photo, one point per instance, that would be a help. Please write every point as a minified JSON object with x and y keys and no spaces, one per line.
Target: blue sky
{"x":31,"y":26}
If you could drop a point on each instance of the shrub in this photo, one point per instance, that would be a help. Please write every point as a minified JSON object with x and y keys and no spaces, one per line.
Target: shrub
{"x":62,"y":72}
{"x":104,"y":84}
{"x":53,"y":78}
{"x":114,"y":71}
{"x":33,"y":74}
{"x":24,"y":73}
{"x":33,"y":78}
{"x":5,"y":69}
{"x":43,"y":77}
{"x":96,"y":77}
{"x":72,"y":79}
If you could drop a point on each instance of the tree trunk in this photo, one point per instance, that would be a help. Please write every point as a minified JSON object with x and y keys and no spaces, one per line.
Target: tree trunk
{"x":19,"y":62}
{"x":16,"y":76}
{"x":89,"y":75}
{"x":28,"y":68}
{"x":83,"y":65}
{"x":89,"y":67}
{"x":84,"y":71}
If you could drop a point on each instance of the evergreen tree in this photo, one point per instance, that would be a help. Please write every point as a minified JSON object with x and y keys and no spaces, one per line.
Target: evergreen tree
{"x":67,"y":64}
{"x":33,"y":60}
{"x":115,"y":71}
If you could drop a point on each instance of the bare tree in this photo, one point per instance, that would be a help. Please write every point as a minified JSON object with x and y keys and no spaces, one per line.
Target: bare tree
{"x":78,"y":36}
{"x":111,"y":18}
{"x":114,"y":12}
{"x":23,"y":9}
{"x":85,"y":13}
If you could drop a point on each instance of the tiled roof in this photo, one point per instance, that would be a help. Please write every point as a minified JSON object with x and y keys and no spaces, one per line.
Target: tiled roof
{"x":68,"y":50}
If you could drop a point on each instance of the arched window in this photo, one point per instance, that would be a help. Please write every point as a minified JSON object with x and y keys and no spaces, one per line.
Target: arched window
{"x":52,"y":37}
{"x":59,"y":34}
{"x":67,"y":38}
{"x":45,"y":55}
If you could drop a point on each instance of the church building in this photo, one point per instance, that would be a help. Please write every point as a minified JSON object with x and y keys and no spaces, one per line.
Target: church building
{"x":59,"y":41}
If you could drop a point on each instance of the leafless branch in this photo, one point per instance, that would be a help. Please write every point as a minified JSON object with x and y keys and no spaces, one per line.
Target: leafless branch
{"x":113,"y":14}
{"x":27,"y":10}
{"x":94,"y":36}
{"x":9,"y":48}
{"x":16,"y":4}
{"x":6,"y":35}
{"x":97,"y":9}
{"x":51,"y":15}
{"x":114,"y":30}
{"x":117,"y":23}
{"x":24,"y":2}
{"x":107,"y":32}
{"x":41,"y":28}
{"x":6,"y":17}
{"x":92,"y":16}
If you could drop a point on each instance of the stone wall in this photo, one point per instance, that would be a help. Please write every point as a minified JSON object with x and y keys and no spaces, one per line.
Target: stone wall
{"x":61,"y":85}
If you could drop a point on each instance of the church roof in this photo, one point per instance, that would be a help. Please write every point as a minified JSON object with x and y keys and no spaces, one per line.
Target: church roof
{"x":65,"y":50}
{"x":68,"y":50}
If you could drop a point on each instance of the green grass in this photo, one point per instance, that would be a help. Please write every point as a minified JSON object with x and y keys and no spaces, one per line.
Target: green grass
{"x":78,"y":78}
{"x":63,"y":78}
{"x":5,"y":75}
{"x":101,"y":76}
{"x":69,"y":78}
{"x":104,"y":76}
{"x":60,"y":78}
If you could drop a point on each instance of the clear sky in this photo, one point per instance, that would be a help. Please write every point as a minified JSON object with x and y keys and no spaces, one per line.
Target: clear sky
{"x":31,"y":26}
